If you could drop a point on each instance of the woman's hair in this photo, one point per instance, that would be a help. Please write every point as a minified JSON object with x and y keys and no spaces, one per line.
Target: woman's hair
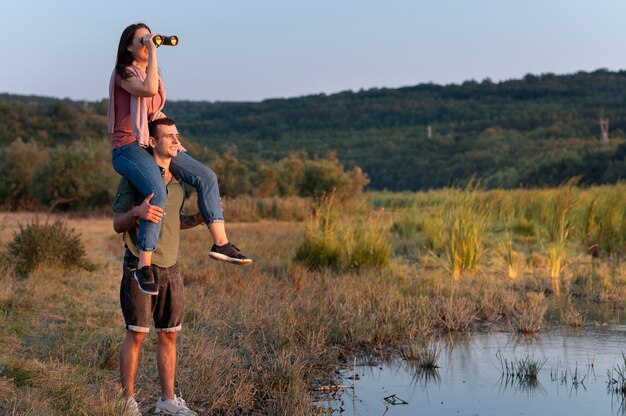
{"x":124,"y":57}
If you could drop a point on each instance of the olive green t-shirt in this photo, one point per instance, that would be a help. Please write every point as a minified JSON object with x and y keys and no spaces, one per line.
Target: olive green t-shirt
{"x":166,"y":253}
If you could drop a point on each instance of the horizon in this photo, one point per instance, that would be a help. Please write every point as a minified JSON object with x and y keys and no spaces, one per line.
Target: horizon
{"x":496,"y":82}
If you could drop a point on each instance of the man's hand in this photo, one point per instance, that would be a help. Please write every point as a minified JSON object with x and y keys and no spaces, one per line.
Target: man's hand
{"x":148,"y":212}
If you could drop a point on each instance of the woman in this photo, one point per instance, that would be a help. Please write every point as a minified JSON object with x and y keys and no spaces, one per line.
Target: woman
{"x":137,"y":95}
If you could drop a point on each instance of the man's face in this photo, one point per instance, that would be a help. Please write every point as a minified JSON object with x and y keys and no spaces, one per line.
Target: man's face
{"x":166,"y":143}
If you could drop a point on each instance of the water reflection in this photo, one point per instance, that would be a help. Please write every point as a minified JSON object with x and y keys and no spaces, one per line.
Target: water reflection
{"x":529,"y":387}
{"x":421,"y":377}
{"x":470,"y":380}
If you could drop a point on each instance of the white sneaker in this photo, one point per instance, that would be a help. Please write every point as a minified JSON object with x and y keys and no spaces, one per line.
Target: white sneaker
{"x":176,"y":407}
{"x":131,"y":408}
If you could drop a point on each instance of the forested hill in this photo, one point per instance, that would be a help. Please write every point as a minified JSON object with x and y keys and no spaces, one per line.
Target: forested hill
{"x":535,"y":131}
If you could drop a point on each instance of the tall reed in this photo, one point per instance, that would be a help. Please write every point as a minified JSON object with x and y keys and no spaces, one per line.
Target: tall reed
{"x":512,"y":258}
{"x":343,"y":245}
{"x":421,"y":355}
{"x":604,"y":221}
{"x":559,"y":225}
{"x":321,"y":247}
{"x":464,"y":232}
{"x":526,"y":369}
{"x":617,"y":378}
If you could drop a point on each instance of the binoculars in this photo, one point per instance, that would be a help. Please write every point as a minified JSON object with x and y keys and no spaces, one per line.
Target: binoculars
{"x":165,"y":40}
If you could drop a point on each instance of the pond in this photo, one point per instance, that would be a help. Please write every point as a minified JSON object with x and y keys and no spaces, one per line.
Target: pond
{"x":470,"y":379}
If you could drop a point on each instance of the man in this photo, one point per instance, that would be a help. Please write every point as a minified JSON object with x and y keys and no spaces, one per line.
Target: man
{"x":167,"y":307}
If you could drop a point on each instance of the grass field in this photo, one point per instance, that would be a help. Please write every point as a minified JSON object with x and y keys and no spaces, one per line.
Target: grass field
{"x":262,"y":339}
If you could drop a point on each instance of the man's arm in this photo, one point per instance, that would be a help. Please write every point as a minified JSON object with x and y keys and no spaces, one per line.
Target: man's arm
{"x":188,"y":221}
{"x":124,"y":221}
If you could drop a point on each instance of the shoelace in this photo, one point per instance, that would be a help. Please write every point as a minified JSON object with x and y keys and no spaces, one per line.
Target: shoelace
{"x":180,"y":400}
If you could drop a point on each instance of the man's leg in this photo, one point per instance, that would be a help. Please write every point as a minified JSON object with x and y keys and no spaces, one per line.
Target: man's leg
{"x":166,"y":362}
{"x":137,"y":309}
{"x":129,"y":360}
{"x":168,"y":318}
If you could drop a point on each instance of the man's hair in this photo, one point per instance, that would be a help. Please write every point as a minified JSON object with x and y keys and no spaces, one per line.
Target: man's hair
{"x":152,"y":126}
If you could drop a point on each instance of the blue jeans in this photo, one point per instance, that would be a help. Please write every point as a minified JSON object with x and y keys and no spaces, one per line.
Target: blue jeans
{"x":204,"y":180}
{"x":138,"y":166}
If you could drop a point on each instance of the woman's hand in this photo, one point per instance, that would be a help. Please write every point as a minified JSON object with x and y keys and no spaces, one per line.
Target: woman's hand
{"x":148,"y":42}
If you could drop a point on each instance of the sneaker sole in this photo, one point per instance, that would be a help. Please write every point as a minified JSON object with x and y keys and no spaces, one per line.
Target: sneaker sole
{"x":158,"y":411}
{"x":144,"y":291}
{"x":231,"y":260}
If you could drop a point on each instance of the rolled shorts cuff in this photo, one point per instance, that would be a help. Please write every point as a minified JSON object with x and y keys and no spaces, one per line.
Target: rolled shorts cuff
{"x":173,"y":329}
{"x":135,"y":328}
{"x":146,"y":249}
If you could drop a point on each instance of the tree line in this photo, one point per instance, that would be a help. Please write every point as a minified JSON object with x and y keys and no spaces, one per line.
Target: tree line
{"x":79,"y":175}
{"x":535,"y":131}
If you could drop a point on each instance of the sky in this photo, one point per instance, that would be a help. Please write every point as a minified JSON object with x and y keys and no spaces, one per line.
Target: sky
{"x":250,"y":50}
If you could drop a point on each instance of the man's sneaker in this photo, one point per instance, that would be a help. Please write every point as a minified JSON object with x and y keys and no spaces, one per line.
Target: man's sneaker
{"x":131,"y":408}
{"x":146,"y":281}
{"x":230,"y":253}
{"x":173,"y":407}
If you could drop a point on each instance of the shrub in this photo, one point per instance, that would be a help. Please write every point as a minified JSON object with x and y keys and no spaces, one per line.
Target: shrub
{"x":365,"y":246}
{"x":408,"y":225}
{"x":321,"y":247}
{"x":524,"y":227}
{"x":464,"y":233}
{"x":342,"y":247}
{"x":604,"y":224}
{"x":528,"y":314}
{"x":79,"y":175}
{"x":51,"y":244}
{"x":322,"y":176}
{"x":20,"y":161}
{"x":232,"y":175}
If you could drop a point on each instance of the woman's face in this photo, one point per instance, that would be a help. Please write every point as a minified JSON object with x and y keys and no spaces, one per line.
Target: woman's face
{"x":138,"y":50}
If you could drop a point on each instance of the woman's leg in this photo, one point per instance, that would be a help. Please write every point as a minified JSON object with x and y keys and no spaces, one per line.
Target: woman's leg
{"x":138,"y":166}
{"x":204,"y":180}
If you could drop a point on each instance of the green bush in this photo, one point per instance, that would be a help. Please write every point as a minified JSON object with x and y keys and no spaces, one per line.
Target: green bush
{"x":604,"y":223}
{"x":319,"y":252}
{"x":408,"y":225}
{"x":77,"y":176}
{"x":322,"y":176}
{"x":464,"y":232}
{"x":365,"y":246}
{"x":343,"y":246}
{"x":50,"y":244}
{"x":524,"y":227}
{"x":20,"y":160}
{"x":320,"y":248}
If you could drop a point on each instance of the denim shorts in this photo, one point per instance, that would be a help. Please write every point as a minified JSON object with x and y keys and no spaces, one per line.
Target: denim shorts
{"x":166,"y":309}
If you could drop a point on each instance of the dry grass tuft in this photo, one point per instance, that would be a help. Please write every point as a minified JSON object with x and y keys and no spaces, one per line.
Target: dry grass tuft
{"x":528,"y":314}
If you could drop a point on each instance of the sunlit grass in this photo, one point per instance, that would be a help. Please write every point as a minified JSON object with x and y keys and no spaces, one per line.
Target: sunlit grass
{"x":256,"y":338}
